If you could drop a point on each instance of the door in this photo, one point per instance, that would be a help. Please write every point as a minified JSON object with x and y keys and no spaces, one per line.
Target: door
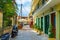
{"x":53,"y":22}
{"x":42,"y":23}
{"x":46,"y":23}
{"x":39,"y":22}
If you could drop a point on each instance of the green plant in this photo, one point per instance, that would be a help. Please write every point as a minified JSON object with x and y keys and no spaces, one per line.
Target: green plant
{"x":8,"y":7}
{"x":51,"y":34}
{"x":50,"y":28}
{"x":35,"y":26}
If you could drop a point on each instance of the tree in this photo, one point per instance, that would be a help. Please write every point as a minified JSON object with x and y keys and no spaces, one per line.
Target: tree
{"x":8,"y":8}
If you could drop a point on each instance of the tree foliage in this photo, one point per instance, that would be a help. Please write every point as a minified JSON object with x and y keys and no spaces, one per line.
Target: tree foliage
{"x":8,"y":8}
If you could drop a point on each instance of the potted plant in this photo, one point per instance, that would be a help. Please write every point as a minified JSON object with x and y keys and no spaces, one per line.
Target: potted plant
{"x":40,"y":31}
{"x":50,"y":33}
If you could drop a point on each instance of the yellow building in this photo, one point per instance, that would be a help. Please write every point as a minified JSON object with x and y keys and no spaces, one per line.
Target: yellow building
{"x":1,"y":21}
{"x":46,"y":14}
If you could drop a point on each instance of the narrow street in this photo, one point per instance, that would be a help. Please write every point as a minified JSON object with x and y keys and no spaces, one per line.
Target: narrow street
{"x":30,"y":19}
{"x":28,"y":34}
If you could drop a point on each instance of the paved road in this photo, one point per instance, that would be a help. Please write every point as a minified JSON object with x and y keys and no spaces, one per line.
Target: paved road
{"x":28,"y":34}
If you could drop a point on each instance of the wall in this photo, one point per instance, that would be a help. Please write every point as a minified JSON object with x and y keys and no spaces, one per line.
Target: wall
{"x":57,"y":8}
{"x":48,"y":12}
{"x":1,"y":19}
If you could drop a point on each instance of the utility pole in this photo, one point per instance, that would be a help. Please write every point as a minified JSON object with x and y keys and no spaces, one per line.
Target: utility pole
{"x":21,"y":10}
{"x":20,"y":14}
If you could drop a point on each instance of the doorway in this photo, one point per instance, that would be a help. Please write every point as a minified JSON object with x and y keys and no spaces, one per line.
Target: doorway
{"x":46,"y":23}
{"x":42,"y":23}
{"x":53,"y":22}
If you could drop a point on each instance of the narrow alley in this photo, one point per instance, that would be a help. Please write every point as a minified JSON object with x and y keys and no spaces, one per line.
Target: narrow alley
{"x":28,"y":34}
{"x":29,"y":19}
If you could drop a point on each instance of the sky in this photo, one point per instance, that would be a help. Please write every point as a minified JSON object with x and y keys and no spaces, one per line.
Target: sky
{"x":26,"y":7}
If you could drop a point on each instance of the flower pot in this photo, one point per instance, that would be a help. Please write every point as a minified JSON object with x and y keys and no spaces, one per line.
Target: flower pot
{"x":20,"y":27}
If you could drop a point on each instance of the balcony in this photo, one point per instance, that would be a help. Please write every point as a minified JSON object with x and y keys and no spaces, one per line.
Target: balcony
{"x":39,"y":5}
{"x":46,"y":6}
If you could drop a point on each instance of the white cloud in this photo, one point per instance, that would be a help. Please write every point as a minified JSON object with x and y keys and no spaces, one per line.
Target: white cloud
{"x":25,"y":11}
{"x":18,"y":1}
{"x":26,"y":8}
{"x":22,"y":1}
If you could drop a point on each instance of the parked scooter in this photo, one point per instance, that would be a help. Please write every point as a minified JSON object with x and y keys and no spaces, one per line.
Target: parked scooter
{"x":14,"y":31}
{"x":5,"y":36}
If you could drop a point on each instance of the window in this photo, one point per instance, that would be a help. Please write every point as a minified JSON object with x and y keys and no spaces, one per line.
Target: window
{"x":43,"y":2}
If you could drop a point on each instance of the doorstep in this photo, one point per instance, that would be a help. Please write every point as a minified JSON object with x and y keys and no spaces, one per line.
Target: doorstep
{"x":52,"y":39}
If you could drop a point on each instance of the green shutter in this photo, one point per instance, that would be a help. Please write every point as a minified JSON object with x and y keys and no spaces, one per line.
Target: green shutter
{"x":36,"y":21}
{"x":39,"y":22}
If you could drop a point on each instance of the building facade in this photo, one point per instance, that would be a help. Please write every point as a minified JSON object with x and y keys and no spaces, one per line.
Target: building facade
{"x":46,"y":15}
{"x":1,"y":21}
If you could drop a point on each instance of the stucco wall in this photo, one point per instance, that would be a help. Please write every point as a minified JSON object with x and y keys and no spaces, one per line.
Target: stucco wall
{"x":1,"y":19}
{"x":57,"y":8}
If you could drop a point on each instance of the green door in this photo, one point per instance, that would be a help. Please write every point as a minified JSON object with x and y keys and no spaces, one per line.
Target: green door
{"x":38,"y":22}
{"x":42,"y":23}
{"x":46,"y":24}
